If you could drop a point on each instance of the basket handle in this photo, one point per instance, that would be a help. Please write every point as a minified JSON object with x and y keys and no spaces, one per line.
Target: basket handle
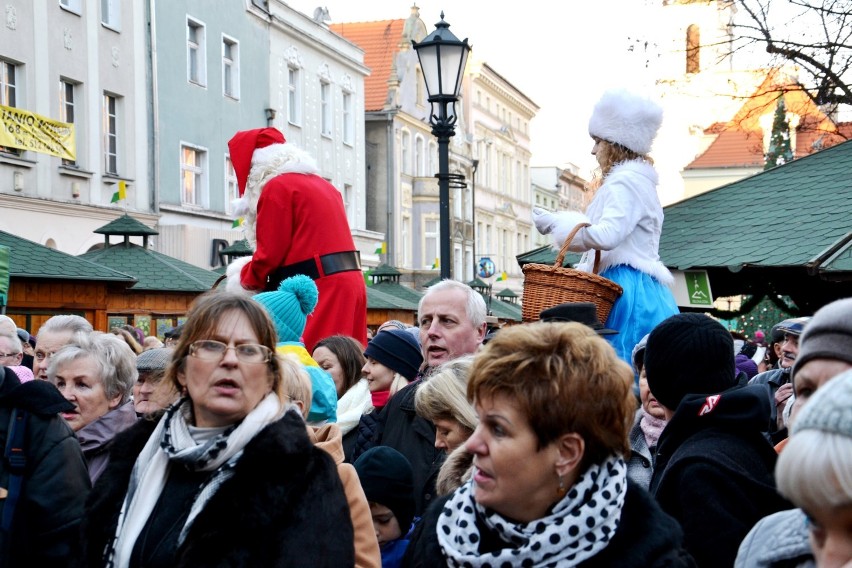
{"x":564,"y":250}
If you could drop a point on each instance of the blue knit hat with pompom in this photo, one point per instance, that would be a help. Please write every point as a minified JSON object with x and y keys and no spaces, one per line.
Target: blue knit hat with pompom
{"x":290,"y":306}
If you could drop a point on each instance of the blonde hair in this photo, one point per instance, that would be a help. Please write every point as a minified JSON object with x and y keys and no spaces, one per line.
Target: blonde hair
{"x":444,"y":395}
{"x":610,"y":155}
{"x":296,"y":384}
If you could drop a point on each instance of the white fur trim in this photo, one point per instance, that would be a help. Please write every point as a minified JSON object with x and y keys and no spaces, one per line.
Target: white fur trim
{"x":240,"y":206}
{"x":284,"y":158}
{"x":654,"y":268}
{"x":626,"y":118}
{"x":233,"y":283}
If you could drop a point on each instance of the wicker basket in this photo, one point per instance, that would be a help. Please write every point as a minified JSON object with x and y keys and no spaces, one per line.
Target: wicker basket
{"x":546,"y":286}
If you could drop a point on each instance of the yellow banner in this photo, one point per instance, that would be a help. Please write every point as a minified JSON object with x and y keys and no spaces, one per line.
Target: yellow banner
{"x":29,"y":131}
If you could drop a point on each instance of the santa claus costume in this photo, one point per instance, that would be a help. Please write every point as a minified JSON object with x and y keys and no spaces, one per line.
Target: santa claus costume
{"x":296,"y":223}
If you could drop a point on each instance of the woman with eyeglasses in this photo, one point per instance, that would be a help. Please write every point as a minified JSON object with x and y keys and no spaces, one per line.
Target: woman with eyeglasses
{"x":227,"y":475}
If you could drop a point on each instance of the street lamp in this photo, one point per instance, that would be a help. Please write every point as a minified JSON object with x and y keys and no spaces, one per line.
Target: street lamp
{"x":442,"y":58}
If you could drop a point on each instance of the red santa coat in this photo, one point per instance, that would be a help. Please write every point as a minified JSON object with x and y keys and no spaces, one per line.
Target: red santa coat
{"x":299,"y":217}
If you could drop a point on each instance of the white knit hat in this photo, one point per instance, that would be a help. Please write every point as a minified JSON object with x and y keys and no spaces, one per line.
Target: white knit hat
{"x":626,"y":118}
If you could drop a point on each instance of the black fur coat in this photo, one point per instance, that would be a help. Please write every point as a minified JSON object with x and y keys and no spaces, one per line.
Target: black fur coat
{"x":284,"y":505}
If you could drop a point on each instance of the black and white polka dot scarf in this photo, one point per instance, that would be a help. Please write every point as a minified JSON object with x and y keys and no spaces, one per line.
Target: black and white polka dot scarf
{"x":578,"y":527}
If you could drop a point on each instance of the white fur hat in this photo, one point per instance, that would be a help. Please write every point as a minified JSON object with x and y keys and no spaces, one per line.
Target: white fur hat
{"x":626,"y":118}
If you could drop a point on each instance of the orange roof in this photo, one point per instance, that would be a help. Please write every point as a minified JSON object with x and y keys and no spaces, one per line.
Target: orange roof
{"x":380,"y":41}
{"x":739,"y":142}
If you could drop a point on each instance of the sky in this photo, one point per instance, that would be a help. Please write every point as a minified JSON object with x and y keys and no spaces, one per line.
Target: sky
{"x":562,"y":55}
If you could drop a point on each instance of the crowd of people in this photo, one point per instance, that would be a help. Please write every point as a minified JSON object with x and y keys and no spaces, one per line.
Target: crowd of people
{"x":272,"y":428}
{"x":529,"y":449}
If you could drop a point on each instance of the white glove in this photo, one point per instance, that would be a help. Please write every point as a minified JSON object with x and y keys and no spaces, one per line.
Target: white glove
{"x":543,"y":219}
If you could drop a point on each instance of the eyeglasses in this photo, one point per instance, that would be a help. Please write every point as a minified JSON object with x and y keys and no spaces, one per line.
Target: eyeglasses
{"x":4,"y":355}
{"x":210,"y":350}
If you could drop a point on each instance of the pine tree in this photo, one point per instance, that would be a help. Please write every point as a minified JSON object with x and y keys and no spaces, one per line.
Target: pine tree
{"x":780,"y":151}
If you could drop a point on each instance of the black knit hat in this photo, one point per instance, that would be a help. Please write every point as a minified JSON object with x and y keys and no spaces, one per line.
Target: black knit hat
{"x":688,"y":354}
{"x":828,"y":335}
{"x":397,"y":350}
{"x":387,"y":479}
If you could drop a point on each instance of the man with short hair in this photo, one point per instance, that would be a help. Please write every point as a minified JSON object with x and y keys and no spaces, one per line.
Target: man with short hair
{"x":778,"y":380}
{"x":451,"y":317}
{"x":713,"y":470}
{"x":11,"y":350}
{"x":54,"y":334}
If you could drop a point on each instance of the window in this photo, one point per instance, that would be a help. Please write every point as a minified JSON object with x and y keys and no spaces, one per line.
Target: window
{"x":66,"y":109}
{"x":111,"y":14}
{"x":110,"y":132}
{"x":406,"y":241}
{"x":193,"y":179}
{"x":232,"y":189}
{"x":325,"y":108}
{"x":693,"y":49}
{"x":294,"y":96}
{"x":72,"y":5}
{"x":8,"y":93}
{"x":419,"y":158}
{"x":230,"y":68}
{"x":349,"y":203}
{"x":457,"y":203}
{"x":406,"y":152}
{"x":348,"y":119}
{"x":196,"y":64}
{"x":430,"y":242}
{"x":421,"y":88}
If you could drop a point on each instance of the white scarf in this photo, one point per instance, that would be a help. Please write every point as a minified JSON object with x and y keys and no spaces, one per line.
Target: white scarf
{"x":578,"y":527}
{"x":172,"y":441}
{"x":352,"y":405}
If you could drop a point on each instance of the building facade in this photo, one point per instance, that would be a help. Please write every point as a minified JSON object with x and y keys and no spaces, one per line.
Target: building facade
{"x":80,"y":62}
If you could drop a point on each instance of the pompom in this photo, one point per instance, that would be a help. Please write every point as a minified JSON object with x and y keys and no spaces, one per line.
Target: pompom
{"x":304,"y":289}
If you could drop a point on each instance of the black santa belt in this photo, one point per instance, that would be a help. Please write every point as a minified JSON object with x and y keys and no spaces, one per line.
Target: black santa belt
{"x":328,"y":264}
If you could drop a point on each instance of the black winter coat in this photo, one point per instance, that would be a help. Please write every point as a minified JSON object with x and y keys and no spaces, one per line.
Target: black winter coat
{"x":714,"y":471}
{"x":414,"y":437}
{"x":646,"y":538}
{"x":56,"y":481}
{"x":284,"y":505}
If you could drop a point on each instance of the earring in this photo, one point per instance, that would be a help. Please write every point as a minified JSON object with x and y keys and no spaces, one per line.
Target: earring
{"x":561,"y":490}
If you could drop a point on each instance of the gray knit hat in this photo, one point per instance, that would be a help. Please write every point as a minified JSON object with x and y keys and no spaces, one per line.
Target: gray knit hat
{"x":154,"y":359}
{"x":828,"y":335}
{"x":829,"y":409}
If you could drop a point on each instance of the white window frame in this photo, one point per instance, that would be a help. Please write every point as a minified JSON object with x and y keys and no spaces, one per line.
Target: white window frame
{"x":111,"y":14}
{"x":419,"y":156}
{"x":294,"y":95}
{"x":9,"y":93}
{"x":74,"y":6}
{"x":232,"y":188}
{"x":348,"y":119}
{"x":325,"y":109}
{"x":405,"y":241}
{"x":199,"y":173}
{"x":110,"y":133}
{"x":349,"y":202}
{"x":230,"y":67}
{"x":198,"y":47}
{"x":405,"y":150}
{"x":68,"y":111}
{"x":431,"y":240}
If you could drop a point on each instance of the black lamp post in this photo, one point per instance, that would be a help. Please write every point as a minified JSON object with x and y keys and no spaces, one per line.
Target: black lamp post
{"x":442,"y":58}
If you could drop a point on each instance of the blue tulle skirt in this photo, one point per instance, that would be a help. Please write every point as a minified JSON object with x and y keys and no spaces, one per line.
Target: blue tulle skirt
{"x":644,"y":303}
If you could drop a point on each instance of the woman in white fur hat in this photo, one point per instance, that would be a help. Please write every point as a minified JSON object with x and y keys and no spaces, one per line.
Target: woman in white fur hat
{"x":625,"y":217}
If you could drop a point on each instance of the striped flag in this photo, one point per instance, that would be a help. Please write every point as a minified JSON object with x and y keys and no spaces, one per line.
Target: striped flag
{"x":121,"y":192}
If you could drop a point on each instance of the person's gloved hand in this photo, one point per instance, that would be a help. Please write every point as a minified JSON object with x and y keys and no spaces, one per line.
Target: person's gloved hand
{"x":544,"y":220}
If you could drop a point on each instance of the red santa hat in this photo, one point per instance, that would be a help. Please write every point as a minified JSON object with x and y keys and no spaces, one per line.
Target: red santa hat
{"x":242,"y":147}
